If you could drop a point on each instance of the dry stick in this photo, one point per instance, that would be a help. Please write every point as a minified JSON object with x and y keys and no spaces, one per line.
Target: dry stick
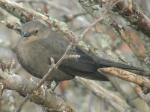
{"x":92,"y":25}
{"x":134,"y":15}
{"x":97,"y":20}
{"x":24,"y":86}
{"x":126,"y":75}
{"x":46,"y":76}
{"x":115,"y":101}
{"x":125,"y":36}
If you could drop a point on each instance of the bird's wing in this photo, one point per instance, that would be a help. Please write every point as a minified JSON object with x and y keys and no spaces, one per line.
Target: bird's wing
{"x":81,"y":65}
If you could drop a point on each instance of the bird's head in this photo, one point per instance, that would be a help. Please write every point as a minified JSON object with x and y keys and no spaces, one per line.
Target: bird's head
{"x":34,"y":30}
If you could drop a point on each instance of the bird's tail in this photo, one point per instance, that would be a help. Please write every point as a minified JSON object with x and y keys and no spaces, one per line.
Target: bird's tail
{"x":108,"y":63}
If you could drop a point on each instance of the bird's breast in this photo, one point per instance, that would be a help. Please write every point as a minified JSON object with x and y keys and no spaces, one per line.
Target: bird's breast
{"x":34,"y":58}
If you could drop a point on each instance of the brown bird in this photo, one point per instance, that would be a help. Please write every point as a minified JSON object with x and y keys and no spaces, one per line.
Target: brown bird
{"x":39,"y":43}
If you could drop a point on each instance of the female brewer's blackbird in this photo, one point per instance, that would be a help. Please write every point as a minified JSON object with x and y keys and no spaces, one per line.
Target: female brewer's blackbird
{"x":39,"y":43}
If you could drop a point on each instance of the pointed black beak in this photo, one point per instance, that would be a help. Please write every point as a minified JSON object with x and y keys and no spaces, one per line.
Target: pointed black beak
{"x":26,"y":34}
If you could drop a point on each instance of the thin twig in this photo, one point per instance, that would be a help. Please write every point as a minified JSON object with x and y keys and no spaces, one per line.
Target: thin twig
{"x":97,"y":20}
{"x":92,"y":25}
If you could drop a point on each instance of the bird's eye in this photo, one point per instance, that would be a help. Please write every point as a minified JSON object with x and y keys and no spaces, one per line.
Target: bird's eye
{"x":26,"y":34}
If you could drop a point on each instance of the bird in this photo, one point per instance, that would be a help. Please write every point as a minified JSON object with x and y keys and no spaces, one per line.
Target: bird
{"x":39,"y":43}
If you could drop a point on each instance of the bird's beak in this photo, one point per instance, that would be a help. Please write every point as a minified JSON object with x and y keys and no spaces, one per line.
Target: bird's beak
{"x":26,"y":34}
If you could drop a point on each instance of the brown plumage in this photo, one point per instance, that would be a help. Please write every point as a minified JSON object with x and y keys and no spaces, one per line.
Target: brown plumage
{"x":39,"y":43}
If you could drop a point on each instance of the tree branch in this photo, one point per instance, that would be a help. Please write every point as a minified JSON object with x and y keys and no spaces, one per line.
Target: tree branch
{"x":115,"y":101}
{"x":42,"y":96}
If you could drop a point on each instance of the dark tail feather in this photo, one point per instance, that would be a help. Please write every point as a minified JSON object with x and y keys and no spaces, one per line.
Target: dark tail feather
{"x":97,"y":76}
{"x":108,"y":63}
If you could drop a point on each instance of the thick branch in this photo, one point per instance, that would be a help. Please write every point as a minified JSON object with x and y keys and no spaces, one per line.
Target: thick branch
{"x":134,"y":15}
{"x":42,"y":96}
{"x":128,"y":76}
{"x":119,"y":104}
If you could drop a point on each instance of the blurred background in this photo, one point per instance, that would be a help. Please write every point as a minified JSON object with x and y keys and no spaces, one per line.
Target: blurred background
{"x":102,"y":37}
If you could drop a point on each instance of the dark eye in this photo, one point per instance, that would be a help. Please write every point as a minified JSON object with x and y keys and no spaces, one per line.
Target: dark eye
{"x":26,"y":34}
